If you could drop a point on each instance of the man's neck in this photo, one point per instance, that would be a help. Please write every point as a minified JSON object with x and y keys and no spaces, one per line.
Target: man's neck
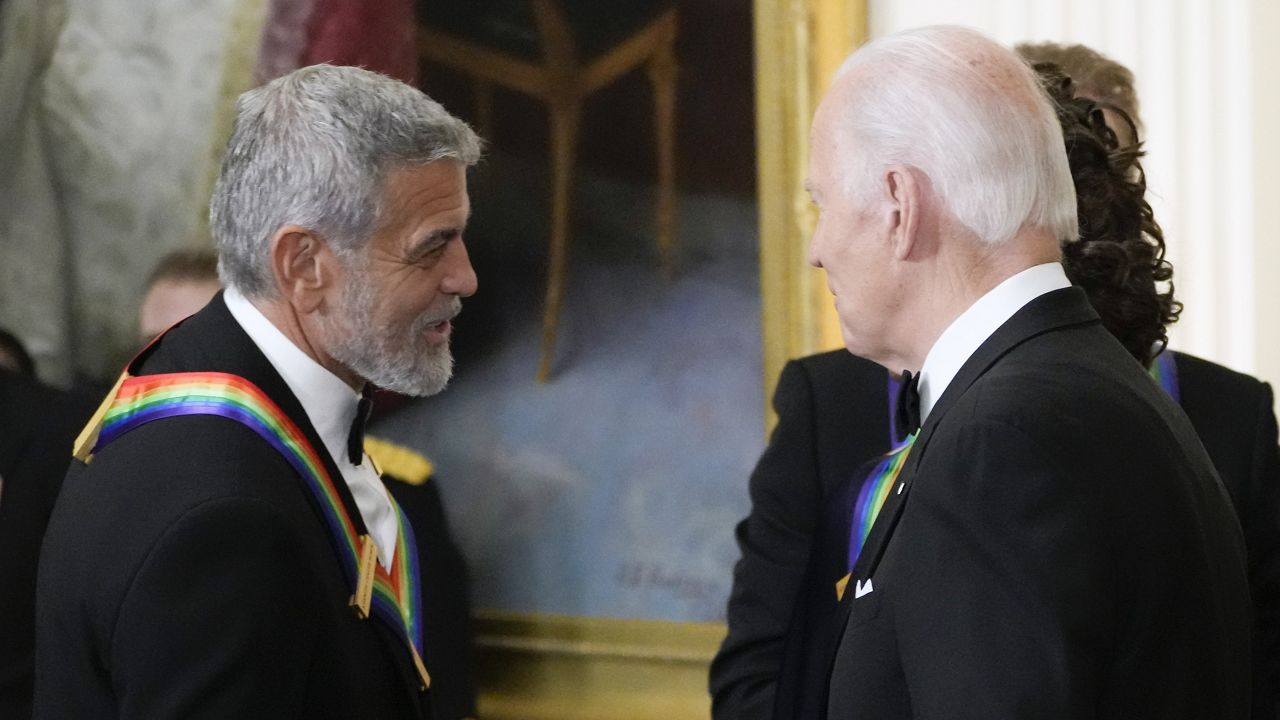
{"x":959,"y":278}
{"x":301,"y":333}
{"x":962,"y":338}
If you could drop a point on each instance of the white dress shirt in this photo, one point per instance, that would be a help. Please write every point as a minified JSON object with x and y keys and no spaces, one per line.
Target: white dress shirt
{"x":966,"y":333}
{"x":331,"y":406}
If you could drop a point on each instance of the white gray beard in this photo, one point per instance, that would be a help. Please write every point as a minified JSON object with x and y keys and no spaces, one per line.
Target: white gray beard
{"x":401,"y":361}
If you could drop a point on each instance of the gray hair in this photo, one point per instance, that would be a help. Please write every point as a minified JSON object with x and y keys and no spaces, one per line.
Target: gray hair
{"x":939,"y":99}
{"x":313,"y":148}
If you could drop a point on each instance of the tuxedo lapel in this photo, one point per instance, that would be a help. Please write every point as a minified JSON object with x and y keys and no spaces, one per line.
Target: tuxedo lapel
{"x":860,"y":582}
{"x":1053,"y":310}
{"x":883,"y":527}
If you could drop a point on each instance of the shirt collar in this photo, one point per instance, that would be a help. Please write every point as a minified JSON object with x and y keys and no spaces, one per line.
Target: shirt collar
{"x":329,"y":402}
{"x":967,"y":332}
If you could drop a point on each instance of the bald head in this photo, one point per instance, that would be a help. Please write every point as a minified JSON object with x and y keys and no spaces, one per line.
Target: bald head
{"x":970,"y":115}
{"x":938,"y":168}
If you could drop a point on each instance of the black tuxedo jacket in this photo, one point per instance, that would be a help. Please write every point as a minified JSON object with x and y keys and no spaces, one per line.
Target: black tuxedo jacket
{"x":1235,"y":418}
{"x":833,"y":418}
{"x":186,"y":572}
{"x":37,"y":427}
{"x":1058,"y":545}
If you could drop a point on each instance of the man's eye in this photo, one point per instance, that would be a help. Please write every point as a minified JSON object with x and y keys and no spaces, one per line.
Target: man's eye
{"x":428,"y":255}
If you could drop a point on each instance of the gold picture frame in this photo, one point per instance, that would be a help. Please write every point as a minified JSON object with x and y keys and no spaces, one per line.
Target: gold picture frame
{"x":799,"y":46}
{"x":558,"y":667}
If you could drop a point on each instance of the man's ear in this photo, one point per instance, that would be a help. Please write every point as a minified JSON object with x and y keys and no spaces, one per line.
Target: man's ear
{"x":303,"y":267}
{"x":906,"y":202}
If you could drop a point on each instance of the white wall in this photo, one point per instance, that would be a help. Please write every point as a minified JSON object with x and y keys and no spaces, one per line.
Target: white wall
{"x":1205,"y":100}
{"x":1265,"y":22}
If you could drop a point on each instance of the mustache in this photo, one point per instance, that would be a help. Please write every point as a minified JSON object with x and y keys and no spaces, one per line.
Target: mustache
{"x":435,"y":317}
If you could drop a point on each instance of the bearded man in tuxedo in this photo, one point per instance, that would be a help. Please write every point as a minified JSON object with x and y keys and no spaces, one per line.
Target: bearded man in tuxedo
{"x":222,"y":546}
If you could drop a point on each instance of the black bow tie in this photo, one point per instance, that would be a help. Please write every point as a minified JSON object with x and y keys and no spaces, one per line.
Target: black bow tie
{"x":355,"y":440}
{"x":908,"y":415}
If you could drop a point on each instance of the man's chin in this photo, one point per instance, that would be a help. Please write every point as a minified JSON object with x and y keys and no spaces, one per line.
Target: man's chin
{"x":425,"y":380}
{"x":426,"y":388}
{"x":865,"y":350}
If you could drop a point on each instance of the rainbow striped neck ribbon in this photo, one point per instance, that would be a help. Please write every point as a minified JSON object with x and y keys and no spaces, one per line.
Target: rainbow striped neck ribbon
{"x":871,"y":497}
{"x":395,"y":596}
{"x":1165,"y":371}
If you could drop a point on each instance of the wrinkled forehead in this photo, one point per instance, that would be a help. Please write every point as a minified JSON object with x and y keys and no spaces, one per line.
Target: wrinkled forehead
{"x":437,"y":186}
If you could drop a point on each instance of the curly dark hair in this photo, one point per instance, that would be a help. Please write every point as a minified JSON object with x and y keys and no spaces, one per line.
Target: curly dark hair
{"x":1119,"y":259}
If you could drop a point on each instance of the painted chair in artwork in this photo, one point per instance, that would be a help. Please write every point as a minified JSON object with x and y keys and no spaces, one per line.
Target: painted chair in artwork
{"x":561,"y":52}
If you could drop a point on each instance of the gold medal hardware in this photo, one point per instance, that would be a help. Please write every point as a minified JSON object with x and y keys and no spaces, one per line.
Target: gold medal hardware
{"x":363,"y":596}
{"x":423,"y":675}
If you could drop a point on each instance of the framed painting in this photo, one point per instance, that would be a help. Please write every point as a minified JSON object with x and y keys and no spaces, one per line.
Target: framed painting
{"x":594,"y":490}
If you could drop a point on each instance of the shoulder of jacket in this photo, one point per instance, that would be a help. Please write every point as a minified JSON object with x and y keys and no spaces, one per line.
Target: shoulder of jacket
{"x":398,"y":461}
{"x":1218,"y":377}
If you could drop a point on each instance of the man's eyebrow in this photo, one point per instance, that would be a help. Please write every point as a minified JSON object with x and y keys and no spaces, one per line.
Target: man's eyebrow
{"x":434,"y":239}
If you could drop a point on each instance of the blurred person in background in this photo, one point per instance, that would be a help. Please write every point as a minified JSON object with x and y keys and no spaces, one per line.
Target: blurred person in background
{"x":182,"y":283}
{"x":38,"y":424}
{"x":14,"y":357}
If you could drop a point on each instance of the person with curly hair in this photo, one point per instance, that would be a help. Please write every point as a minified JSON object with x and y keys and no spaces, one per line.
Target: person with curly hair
{"x":836,"y":413}
{"x":1119,"y":257}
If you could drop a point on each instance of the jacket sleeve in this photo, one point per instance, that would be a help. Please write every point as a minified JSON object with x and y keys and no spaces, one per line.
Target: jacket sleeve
{"x":1029,"y":581}
{"x":1260,"y":518}
{"x":775,"y":541}
{"x":219,"y":619}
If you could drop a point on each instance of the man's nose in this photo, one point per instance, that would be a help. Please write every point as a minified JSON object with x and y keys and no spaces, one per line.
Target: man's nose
{"x":460,"y":278}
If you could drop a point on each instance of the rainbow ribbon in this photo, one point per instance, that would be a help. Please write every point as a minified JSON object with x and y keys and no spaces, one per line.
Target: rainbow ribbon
{"x":1165,"y":372}
{"x":396,"y":596}
{"x":873,"y":494}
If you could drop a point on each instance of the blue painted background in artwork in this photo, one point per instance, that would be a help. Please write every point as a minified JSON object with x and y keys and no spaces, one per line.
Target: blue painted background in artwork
{"x":614,"y":489}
